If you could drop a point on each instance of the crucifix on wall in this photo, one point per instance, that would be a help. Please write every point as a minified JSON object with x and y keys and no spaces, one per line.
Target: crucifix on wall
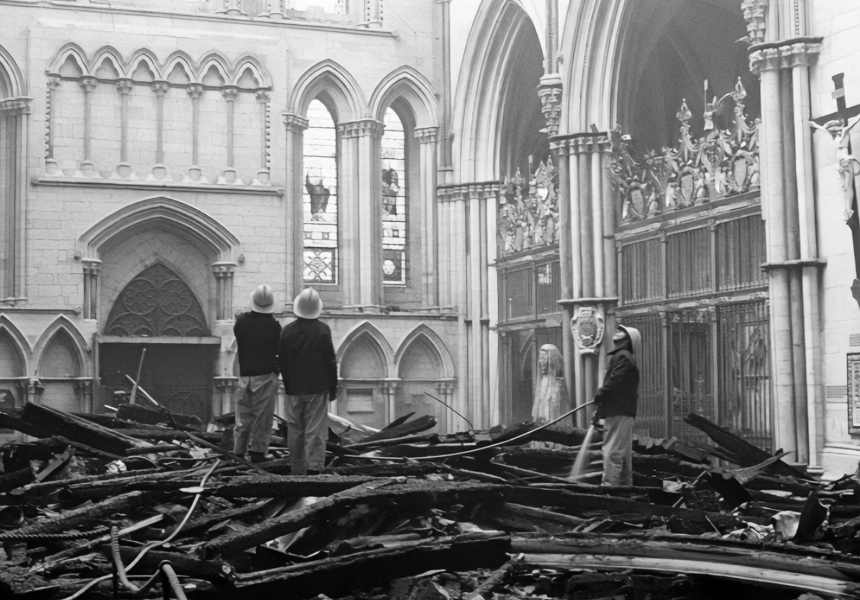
{"x":839,"y":125}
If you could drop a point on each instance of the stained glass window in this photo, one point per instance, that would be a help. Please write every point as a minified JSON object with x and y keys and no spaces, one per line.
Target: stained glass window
{"x":394,"y":194}
{"x":319,"y":196}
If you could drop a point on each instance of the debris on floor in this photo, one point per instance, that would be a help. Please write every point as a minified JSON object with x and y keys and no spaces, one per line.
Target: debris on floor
{"x":143,"y":500}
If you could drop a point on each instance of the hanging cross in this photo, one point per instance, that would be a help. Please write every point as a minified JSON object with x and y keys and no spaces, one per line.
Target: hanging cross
{"x":839,"y":95}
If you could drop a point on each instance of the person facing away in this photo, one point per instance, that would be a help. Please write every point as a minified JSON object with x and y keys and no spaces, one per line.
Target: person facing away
{"x":257,"y":333}
{"x":309,"y":370}
{"x":616,"y":404}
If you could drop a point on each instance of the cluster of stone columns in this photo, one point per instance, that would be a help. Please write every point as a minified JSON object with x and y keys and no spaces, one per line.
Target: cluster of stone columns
{"x":788,"y":205}
{"x":588,"y":214}
{"x":359,"y":190}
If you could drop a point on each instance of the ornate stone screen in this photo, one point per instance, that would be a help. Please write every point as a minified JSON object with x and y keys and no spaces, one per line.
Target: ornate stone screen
{"x":320,"y":196}
{"x":394,"y":196}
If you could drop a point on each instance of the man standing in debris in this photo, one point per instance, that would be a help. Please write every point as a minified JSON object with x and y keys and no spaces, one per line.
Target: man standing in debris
{"x":309,"y":370}
{"x":616,"y":404}
{"x":257,"y":333}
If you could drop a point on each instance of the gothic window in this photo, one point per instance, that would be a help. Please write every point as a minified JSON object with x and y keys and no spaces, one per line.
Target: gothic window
{"x":60,"y":358}
{"x":10,"y":361}
{"x":12,"y":177}
{"x":394,"y":195}
{"x":157,"y":303}
{"x":319,"y":198}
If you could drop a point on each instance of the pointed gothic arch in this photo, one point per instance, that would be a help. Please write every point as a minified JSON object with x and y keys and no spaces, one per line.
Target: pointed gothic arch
{"x":500,"y":32}
{"x":12,"y":82}
{"x":77,"y":343}
{"x":335,"y":86}
{"x":76,"y":53}
{"x":112,"y":54}
{"x":408,"y":84}
{"x":17,"y":343}
{"x":367,"y":337}
{"x":189,"y":219}
{"x":248,"y":61}
{"x":424,"y":335}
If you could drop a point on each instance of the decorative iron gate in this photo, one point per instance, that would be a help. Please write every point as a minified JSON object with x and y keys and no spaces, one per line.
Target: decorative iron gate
{"x":651,"y":414}
{"x":744,"y":378}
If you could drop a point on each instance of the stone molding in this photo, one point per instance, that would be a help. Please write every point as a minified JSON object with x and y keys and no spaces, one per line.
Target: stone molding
{"x":361,"y":128}
{"x":295,"y":123}
{"x":549,"y":92}
{"x":21,"y":105}
{"x":427,"y":135}
{"x":785,"y":55}
{"x":755,"y":13}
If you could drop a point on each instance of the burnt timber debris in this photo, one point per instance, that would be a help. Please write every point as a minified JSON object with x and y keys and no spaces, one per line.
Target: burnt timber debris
{"x":145,"y":503}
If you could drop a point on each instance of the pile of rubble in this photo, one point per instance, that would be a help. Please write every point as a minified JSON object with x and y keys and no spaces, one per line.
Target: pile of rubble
{"x":146,"y":502}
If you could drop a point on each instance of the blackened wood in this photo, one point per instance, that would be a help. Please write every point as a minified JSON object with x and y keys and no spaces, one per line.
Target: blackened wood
{"x":497,"y":577}
{"x":88,"y":515}
{"x":422,"y":423}
{"x":154,"y":416}
{"x":287,"y":486}
{"x":376,"y":469}
{"x":343,"y":575}
{"x":546,"y":515}
{"x":409,"y":497}
{"x":217,"y":572}
{"x":746,"y":453}
{"x":407,"y":439}
{"x":16,"y":479}
{"x":78,"y":429}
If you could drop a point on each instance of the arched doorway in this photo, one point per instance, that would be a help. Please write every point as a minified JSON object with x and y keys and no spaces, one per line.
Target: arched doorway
{"x":363,"y":372}
{"x":158,"y":318}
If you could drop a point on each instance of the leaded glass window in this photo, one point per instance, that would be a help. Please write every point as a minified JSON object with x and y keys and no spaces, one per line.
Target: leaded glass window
{"x":319,"y":198}
{"x":394,"y":194}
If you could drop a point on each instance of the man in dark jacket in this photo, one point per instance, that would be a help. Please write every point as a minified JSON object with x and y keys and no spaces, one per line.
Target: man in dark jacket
{"x":309,"y":370}
{"x":616,"y":404}
{"x":257,"y":333}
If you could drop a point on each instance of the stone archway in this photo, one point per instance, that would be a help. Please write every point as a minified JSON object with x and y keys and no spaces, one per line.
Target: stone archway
{"x":157,"y":326}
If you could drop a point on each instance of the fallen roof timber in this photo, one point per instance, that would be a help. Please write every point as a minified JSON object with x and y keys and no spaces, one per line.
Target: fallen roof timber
{"x":749,"y":564}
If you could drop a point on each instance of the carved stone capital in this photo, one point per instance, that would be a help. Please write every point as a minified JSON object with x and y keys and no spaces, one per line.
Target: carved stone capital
{"x":484,"y":191}
{"x":91,"y":266}
{"x":159,"y":87}
{"x":295,"y":123}
{"x":262,"y":96}
{"x":194,"y":91}
{"x":791,"y":54}
{"x":124,"y":86}
{"x":427,"y":135}
{"x":21,"y":105}
{"x":53,"y":83}
{"x":450,"y":193}
{"x":550,"y":101}
{"x":445,"y":387}
{"x":223,"y":270}
{"x":83,"y":386}
{"x":88,"y":84}
{"x":364,"y":127}
{"x":226,"y":384}
{"x":230,"y":94}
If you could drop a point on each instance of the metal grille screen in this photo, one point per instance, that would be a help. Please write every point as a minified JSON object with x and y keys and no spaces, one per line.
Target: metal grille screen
{"x":520,"y":300}
{"x":740,"y":253}
{"x":745,"y":382}
{"x":688,"y":257}
{"x":548,"y":288}
{"x":651,"y":410}
{"x":642,"y":264}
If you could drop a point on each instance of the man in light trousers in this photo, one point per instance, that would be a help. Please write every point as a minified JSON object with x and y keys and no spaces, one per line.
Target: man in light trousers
{"x":309,"y":370}
{"x":257,"y":333}
{"x":617,"y":401}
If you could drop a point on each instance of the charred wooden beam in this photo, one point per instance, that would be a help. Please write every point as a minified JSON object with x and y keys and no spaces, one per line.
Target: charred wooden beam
{"x":78,"y":429}
{"x":86,"y":515}
{"x":422,"y":423}
{"x":418,"y":495}
{"x":496,"y":578}
{"x":746,"y":453}
{"x":342,"y":575}
{"x":16,"y":479}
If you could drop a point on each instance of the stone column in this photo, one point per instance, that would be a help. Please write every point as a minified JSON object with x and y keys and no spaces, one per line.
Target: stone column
{"x":427,"y":138}
{"x":276,"y":9}
{"x":389,"y":389}
{"x":446,"y":395}
{"x":84,"y":394}
{"x":294,"y":256}
{"x":445,"y":133}
{"x":123,"y":88}
{"x":160,"y":89}
{"x":233,"y":8}
{"x":88,"y":84}
{"x":92,"y":268}
{"x":223,"y":272}
{"x":373,"y":13}
{"x":230,"y":96}
{"x":361,"y":248}
{"x":194,"y":92}
{"x":263,"y":173}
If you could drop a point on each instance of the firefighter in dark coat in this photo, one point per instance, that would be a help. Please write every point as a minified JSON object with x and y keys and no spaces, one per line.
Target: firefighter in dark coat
{"x":616,"y":404}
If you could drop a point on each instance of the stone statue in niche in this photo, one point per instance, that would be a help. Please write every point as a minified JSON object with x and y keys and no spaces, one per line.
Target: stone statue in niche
{"x":551,"y":399}
{"x":846,"y":163}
